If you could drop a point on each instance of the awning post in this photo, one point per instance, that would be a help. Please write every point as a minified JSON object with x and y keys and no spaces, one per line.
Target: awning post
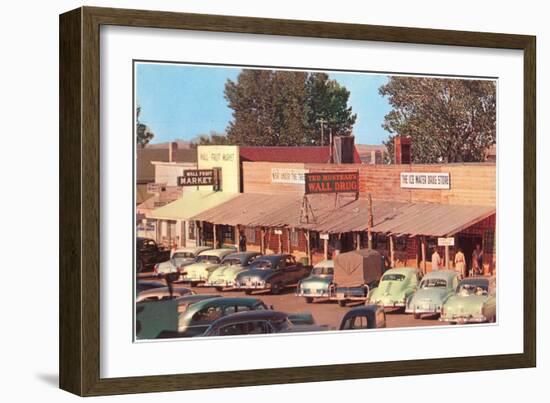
{"x":392,"y":251}
{"x":424,"y":254}
{"x":325,"y":248}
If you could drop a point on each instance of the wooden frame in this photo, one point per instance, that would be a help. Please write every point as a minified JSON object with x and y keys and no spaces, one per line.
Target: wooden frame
{"x":79,"y":200}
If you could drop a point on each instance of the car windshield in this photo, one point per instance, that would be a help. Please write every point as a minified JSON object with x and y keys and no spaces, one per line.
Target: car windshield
{"x":232,"y":262}
{"x":261,"y":265}
{"x":319,"y":271}
{"x":183,"y":255}
{"x":207,"y":259}
{"x":433,"y":283}
{"x":472,"y":289}
{"x":393,"y":277}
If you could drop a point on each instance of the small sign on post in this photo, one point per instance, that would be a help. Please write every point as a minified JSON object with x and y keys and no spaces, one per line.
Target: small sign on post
{"x":446,"y":241}
{"x":278,"y":232}
{"x":324,"y":236}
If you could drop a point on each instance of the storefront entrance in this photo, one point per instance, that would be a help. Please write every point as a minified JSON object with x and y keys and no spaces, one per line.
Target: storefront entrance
{"x":468,"y":244}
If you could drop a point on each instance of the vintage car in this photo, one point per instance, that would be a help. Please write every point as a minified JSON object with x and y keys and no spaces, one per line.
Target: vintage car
{"x":148,"y":253}
{"x":395,"y":288}
{"x":318,"y":282}
{"x":155,"y":294}
{"x":205,"y":263}
{"x":259,"y":322}
{"x":272,"y":273}
{"x":473,"y":302}
{"x":142,"y":285}
{"x":199,"y":316}
{"x":364,"y":317}
{"x":179,"y":258}
{"x":224,"y":275}
{"x":355,"y":273}
{"x":434,"y":290}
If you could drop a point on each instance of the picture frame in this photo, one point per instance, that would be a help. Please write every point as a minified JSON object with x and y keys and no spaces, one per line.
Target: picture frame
{"x":80,"y":155}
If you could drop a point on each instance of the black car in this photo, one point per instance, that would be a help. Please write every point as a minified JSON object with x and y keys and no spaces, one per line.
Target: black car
{"x":364,"y":317}
{"x":148,"y":253}
{"x":271,"y":272}
{"x":259,"y":322}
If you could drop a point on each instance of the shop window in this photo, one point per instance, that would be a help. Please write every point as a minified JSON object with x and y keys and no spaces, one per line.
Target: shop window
{"x":400,"y":243}
{"x":250,"y":233}
{"x":228,"y":234}
{"x":315,"y":241}
{"x":489,"y":244}
{"x":380,"y":241}
{"x":191,"y":230}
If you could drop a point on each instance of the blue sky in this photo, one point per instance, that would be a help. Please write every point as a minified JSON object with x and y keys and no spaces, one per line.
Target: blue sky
{"x":181,"y":101}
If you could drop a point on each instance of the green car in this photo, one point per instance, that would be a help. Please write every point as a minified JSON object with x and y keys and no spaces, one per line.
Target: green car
{"x":205,"y":263}
{"x":434,"y":290}
{"x":395,"y":288}
{"x":473,"y":302}
{"x":318,"y":283}
{"x":194,"y":320}
{"x":224,"y":275}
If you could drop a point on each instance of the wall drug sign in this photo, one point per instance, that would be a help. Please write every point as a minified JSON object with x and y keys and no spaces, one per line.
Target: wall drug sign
{"x":332,"y":182}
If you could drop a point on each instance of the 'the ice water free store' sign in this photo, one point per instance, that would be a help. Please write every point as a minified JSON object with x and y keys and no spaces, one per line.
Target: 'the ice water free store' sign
{"x":425,"y":180}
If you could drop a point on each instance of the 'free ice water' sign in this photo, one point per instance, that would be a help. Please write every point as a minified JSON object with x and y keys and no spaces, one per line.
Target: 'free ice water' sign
{"x":425,"y":180}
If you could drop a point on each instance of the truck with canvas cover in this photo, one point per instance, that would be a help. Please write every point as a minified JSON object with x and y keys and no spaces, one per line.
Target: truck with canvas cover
{"x":355,"y":273}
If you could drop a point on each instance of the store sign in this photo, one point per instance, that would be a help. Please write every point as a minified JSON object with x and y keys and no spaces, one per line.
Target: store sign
{"x":324,"y":236}
{"x":332,"y":182}
{"x":425,"y":180}
{"x":288,"y":175}
{"x":446,"y":241}
{"x":278,"y":232}
{"x":196,"y":177}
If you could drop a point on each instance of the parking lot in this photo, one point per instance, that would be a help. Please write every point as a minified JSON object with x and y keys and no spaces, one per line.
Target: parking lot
{"x":324,"y":312}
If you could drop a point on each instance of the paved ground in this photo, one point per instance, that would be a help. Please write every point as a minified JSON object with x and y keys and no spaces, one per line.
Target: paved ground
{"x":323,"y":311}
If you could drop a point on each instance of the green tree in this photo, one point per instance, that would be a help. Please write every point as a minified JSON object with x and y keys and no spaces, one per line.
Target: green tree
{"x":448,"y":120}
{"x":285,"y":107}
{"x":143,"y":134}
{"x":213,"y":138}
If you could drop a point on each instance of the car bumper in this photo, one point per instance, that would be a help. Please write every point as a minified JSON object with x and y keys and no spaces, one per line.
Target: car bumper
{"x":220,"y":283}
{"x":252,"y":286}
{"x":423,"y":311}
{"x":464,"y":319}
{"x":313,"y":294}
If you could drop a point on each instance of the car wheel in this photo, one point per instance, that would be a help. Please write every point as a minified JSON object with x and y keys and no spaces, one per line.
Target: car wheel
{"x":248,"y":292}
{"x":342,"y":303}
{"x":276,"y":289}
{"x":417,"y":316}
{"x":309,"y":300}
{"x":219,"y":288}
{"x":140,"y":266}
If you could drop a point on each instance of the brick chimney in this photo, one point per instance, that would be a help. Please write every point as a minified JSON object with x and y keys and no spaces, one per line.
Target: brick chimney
{"x":172,"y":147}
{"x":402,"y":150}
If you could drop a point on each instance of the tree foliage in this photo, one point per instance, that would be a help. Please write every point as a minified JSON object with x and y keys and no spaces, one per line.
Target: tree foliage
{"x":210,"y":139}
{"x":143,"y":134}
{"x":448,"y":120}
{"x":286,"y":108}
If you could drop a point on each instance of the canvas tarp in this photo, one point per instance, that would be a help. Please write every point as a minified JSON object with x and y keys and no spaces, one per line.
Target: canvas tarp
{"x":357,"y":267}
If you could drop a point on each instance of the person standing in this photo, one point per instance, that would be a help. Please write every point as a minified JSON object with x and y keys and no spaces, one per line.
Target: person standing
{"x":477,"y":260}
{"x":437,"y":262}
{"x":460,"y":263}
{"x":242,"y":242}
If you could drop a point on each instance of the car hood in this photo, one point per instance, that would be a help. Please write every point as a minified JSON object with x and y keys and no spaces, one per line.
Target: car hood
{"x":390,"y":288}
{"x":432,"y":294}
{"x":465,"y":304}
{"x":254,"y":274}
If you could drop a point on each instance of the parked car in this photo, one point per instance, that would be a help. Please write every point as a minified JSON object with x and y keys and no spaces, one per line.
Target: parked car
{"x":199,"y":316}
{"x":473,"y":302}
{"x":161,"y":293}
{"x":179,"y":258}
{"x":395,"y":287}
{"x":272,"y":273}
{"x":364,"y":317}
{"x":148,"y":253}
{"x":224,"y":275}
{"x":258,"y":322}
{"x":355,"y":273}
{"x":142,"y":285}
{"x":434,"y":290}
{"x":204,"y":264}
{"x":318,"y":283}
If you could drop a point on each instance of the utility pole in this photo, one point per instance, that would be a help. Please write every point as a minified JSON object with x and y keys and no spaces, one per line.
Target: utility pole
{"x":322,"y":123}
{"x":370,"y":221}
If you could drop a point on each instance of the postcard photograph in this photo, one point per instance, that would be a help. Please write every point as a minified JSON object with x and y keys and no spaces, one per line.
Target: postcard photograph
{"x":277,"y":200}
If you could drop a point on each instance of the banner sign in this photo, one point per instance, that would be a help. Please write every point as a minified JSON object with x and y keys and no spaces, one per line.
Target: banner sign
{"x":288,"y":175}
{"x":425,"y":180}
{"x":332,"y":182}
{"x":196,"y":177}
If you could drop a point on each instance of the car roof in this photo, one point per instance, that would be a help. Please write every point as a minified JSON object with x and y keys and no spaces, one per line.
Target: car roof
{"x":241,"y":255}
{"x":162,"y":290}
{"x":401,"y":270}
{"x":478,"y":280}
{"x":228,"y":301}
{"x":274,"y":257}
{"x":218,"y":252}
{"x":197,"y":297}
{"x":441,"y":274}
{"x":249,"y":316}
{"x":193,"y":249}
